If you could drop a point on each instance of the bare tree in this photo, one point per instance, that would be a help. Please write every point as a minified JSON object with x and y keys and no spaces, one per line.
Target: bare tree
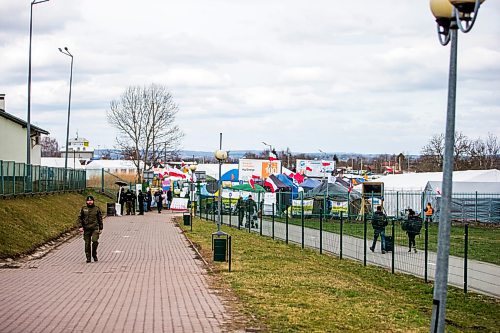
{"x":145,"y":119}
{"x":492,"y":151}
{"x":50,"y":147}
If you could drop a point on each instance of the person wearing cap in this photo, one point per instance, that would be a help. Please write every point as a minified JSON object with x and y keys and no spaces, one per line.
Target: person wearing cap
{"x":90,"y":220}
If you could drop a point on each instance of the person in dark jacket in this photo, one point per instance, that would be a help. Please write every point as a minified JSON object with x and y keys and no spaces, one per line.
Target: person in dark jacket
{"x":140,"y":198}
{"x":129,"y":197}
{"x":252,"y":213}
{"x":90,"y":221}
{"x":413,"y":227}
{"x":379,"y":222}
{"x":121,"y":199}
{"x":169,"y":198}
{"x":240,"y":208}
{"x":149,"y":198}
{"x":159,"y":200}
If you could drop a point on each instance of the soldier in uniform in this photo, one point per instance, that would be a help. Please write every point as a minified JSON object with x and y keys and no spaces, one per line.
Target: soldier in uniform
{"x":90,"y":220}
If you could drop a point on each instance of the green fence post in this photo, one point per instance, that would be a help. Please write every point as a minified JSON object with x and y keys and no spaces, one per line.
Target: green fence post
{"x":320,"y":231}
{"x":341,"y":232}
{"x":475,"y":209}
{"x":102,"y":180}
{"x":272,"y":216}
{"x":25,"y":170}
{"x":393,"y":248}
{"x":302,"y":215}
{"x":14,"y":180}
{"x":426,"y":250}
{"x":364,"y":238}
{"x":286,"y":225}
{"x":1,"y":178}
{"x":466,"y":253}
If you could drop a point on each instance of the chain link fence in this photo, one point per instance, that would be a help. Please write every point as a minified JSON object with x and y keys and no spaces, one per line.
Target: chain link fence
{"x":347,"y":231}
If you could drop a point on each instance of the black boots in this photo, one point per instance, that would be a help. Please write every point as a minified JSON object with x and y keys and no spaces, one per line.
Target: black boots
{"x":94,"y":251}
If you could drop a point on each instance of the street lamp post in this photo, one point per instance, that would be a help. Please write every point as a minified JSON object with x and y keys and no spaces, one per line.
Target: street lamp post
{"x":28,"y":120}
{"x":66,"y":52}
{"x":221,"y":156}
{"x":451,"y":15}
{"x":270,"y":151}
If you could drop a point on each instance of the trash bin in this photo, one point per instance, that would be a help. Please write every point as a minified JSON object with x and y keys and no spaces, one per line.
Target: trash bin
{"x":220,"y":245}
{"x":110,"y":209}
{"x":187,"y":218}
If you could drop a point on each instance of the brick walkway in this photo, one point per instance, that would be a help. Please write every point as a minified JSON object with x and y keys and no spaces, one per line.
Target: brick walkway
{"x":147,"y":280}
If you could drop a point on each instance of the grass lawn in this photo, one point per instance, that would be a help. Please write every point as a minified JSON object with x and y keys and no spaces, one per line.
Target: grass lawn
{"x":288,"y":289}
{"x":484,"y":242}
{"x":28,"y":222}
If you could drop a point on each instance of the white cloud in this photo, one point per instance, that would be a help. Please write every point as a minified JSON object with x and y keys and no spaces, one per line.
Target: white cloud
{"x":292,"y":73}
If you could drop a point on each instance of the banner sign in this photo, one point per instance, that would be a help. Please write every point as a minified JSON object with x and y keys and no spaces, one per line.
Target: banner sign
{"x":313,"y":168}
{"x":179,"y":204}
{"x":258,"y":169}
{"x":338,"y":207}
{"x":297,"y":207}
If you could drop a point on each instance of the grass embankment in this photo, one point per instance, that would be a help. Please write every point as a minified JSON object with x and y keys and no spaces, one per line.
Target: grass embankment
{"x":289,"y":289}
{"x":28,"y":222}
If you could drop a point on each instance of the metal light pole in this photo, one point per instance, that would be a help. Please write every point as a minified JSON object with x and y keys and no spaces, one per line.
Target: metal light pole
{"x":66,"y":52}
{"x":221,"y":156}
{"x":270,"y":151}
{"x":28,"y":120}
{"x":449,"y":16}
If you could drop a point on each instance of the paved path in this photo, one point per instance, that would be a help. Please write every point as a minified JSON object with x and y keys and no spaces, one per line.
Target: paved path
{"x":147,"y":280}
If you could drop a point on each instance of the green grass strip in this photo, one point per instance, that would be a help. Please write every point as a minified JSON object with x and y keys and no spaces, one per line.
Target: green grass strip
{"x":293,"y":290}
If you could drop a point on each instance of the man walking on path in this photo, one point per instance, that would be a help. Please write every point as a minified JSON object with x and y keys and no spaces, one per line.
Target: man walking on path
{"x":379,"y":222}
{"x":91,"y":225}
{"x":140,"y":198}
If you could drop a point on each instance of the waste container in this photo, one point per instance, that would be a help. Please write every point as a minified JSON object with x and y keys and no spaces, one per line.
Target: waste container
{"x":186,"y":218}
{"x":220,"y":245}
{"x":110,"y":209}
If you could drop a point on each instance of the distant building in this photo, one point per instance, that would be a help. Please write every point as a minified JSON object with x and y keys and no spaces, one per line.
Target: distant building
{"x":13,"y":129}
{"x":78,"y":148}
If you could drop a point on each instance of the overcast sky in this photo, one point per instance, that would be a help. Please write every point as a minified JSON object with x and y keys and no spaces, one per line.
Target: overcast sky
{"x":341,"y":76}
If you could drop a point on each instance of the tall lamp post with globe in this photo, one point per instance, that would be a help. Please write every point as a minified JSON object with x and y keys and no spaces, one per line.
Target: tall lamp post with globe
{"x":451,"y":16}
{"x":221,"y":241}
{"x":192,"y":189}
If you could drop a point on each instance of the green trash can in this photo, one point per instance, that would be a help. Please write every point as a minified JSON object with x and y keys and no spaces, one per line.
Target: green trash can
{"x":187,"y":219}
{"x":220,"y":245}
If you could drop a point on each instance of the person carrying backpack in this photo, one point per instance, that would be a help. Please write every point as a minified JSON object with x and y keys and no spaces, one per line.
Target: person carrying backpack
{"x":379,"y":222}
{"x":412,"y":226}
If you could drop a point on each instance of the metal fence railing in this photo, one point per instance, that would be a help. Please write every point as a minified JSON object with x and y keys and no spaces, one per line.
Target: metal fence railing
{"x":106,"y":182}
{"x":474,"y":243}
{"x":20,"y":178}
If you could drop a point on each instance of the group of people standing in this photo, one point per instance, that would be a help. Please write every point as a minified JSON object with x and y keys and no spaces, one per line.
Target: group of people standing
{"x":127,"y":200}
{"x":412,"y":225}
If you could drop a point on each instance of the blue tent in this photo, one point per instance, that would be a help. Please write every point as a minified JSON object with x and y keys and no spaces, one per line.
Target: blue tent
{"x":230,"y":176}
{"x":288,"y":182}
{"x":310,"y":183}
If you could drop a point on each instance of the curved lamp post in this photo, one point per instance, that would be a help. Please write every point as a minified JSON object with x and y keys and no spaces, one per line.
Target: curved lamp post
{"x":28,"y":120}
{"x":66,"y":52}
{"x":451,"y":15}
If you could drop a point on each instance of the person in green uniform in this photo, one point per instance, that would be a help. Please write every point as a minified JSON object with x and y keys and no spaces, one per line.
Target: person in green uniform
{"x":90,"y":220}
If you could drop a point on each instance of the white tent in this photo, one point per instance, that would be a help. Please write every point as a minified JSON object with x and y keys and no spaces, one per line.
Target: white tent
{"x":417,"y":182}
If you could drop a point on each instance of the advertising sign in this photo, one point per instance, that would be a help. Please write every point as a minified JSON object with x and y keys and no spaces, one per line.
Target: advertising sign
{"x":338,"y":207}
{"x":297,"y":207}
{"x":313,"y":168}
{"x":249,"y":168}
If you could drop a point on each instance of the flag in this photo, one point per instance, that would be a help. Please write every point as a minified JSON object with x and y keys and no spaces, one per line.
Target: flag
{"x":308,"y":168}
{"x":270,"y":183}
{"x":252,"y":183}
{"x":272,"y":155}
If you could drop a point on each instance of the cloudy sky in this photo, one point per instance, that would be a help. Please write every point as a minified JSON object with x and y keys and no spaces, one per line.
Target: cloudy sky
{"x":341,"y":76}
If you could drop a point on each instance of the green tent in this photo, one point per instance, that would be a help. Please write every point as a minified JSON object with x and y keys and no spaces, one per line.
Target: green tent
{"x":247,"y":188}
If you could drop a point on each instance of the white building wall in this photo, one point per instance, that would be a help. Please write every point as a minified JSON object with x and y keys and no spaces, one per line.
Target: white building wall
{"x":13,"y":147}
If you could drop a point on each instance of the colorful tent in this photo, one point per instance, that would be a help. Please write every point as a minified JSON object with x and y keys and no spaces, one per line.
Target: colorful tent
{"x":248,"y":188}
